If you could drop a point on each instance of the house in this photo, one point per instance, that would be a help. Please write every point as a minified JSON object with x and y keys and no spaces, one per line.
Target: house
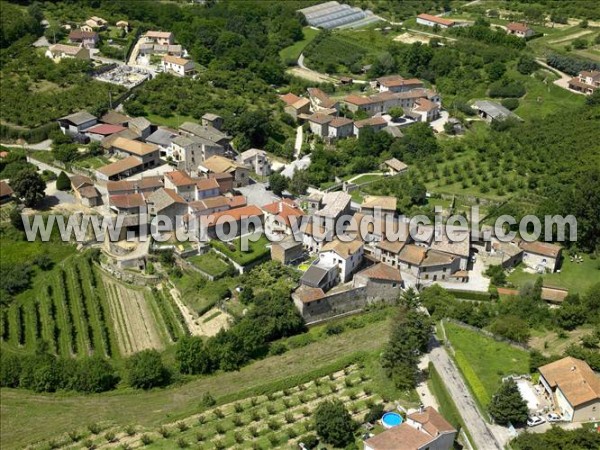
{"x":519,"y":29}
{"x":148,"y":154}
{"x":96,"y":22}
{"x":77,"y":122}
{"x":168,"y":204}
{"x":294,"y":105}
{"x":319,"y":100}
{"x":279,"y":216}
{"x":6,"y":192}
{"x":163,"y":138}
{"x":233,"y":222}
{"x":140,"y":126}
{"x":85,"y":191}
{"x":319,"y":124}
{"x":127,"y":203}
{"x":410,"y":258}
{"x":554,"y":295}
{"x":145,"y":185}
{"x":257,"y":161}
{"x":107,"y":142}
{"x":314,"y":236}
{"x":340,"y":127}
{"x":320,"y":277}
{"x":491,"y":111}
{"x":120,"y":169}
{"x":219,"y":164}
{"x":437,"y":266}
{"x":453,"y":241}
{"x":396,"y":83}
{"x":88,"y":39}
{"x":160,"y":37}
{"x":179,"y":66}
{"x":384,"y":205}
{"x":425,"y":429}
{"x":115,"y":118}
{"x":205,"y":131}
{"x":192,"y":150}
{"x":586,"y":82}
{"x":212,"y":120}
{"x":346,"y":256}
{"x":356,"y":103}
{"x":427,"y":109}
{"x":375,"y":123}
{"x":335,"y":204}
{"x":541,"y":256}
{"x":382,"y":281}
{"x":103,"y":130}
{"x":394,"y":166}
{"x":207,"y":188}
{"x":180,"y":182}
{"x":123,"y":24}
{"x":287,"y":250}
{"x":573,"y":387}
{"x":431,"y":21}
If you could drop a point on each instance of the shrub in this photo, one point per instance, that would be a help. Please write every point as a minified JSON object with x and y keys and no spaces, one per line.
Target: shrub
{"x":274,"y":425}
{"x":63,"y":183}
{"x":182,"y":426}
{"x":110,"y":436}
{"x":94,"y":428}
{"x":146,"y":370}
{"x":182,"y":443}
{"x":220,"y":429}
{"x":238,"y":408}
{"x":237,"y":421}
{"x":510,"y":103}
{"x":164,"y":432}
{"x":375,"y":412}
{"x":74,"y":436}
{"x":145,"y":439}
{"x":289,"y":417}
{"x":218,"y":413}
{"x":199,"y":436}
{"x":130,"y":430}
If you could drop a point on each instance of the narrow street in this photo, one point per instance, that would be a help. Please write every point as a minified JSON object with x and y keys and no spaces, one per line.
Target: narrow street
{"x":480,"y":431}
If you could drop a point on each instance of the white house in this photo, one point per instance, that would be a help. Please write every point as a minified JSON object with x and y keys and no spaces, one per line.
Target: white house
{"x":573,"y":388}
{"x":319,"y":124}
{"x":60,"y":51}
{"x":431,"y":21}
{"x":541,"y":256}
{"x":340,"y":127}
{"x":347,"y":256}
{"x":257,"y":160}
{"x":519,"y":29}
{"x":178,"y":66}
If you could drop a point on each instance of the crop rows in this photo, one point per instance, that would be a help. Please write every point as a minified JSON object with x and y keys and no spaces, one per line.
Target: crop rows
{"x":170,"y":313}
{"x":68,"y":311}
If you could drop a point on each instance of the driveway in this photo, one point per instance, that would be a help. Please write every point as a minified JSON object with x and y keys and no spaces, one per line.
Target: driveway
{"x":477,"y":280}
{"x":481,"y":434}
{"x":298,"y":143}
{"x":290,"y":168}
{"x":438,"y":124}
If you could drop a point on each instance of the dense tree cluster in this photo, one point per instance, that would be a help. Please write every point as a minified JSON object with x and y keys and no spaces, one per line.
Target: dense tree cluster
{"x":570,"y":64}
{"x":44,"y":372}
{"x":333,"y":423}
{"x":558,"y":439}
{"x":410,"y":334}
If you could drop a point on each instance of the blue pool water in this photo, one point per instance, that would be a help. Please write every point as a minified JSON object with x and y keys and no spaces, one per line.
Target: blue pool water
{"x":391,"y":419}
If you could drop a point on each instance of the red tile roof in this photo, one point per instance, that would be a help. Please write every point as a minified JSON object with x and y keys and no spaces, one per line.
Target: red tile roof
{"x":435,"y":19}
{"x":180,"y":178}
{"x":289,"y":98}
{"x":517,"y":26}
{"x":234,"y":215}
{"x":127,"y":201}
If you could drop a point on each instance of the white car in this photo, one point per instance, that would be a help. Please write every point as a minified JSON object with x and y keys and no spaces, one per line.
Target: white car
{"x":552,"y":417}
{"x":534,"y":421}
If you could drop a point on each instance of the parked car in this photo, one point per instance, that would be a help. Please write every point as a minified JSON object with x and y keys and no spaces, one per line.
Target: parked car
{"x":534,"y":421}
{"x":553,"y":417}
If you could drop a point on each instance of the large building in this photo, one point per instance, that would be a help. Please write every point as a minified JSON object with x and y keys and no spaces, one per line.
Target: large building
{"x":330,"y":15}
{"x":586,"y":82}
{"x":431,"y":21}
{"x":573,"y":387}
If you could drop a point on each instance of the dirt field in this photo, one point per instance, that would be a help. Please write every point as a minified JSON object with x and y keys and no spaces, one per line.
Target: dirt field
{"x":134,"y":321}
{"x":310,"y":75}
{"x":409,"y":38}
{"x":215,"y":324}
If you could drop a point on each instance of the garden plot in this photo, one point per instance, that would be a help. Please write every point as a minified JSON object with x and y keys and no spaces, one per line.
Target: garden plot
{"x":134,"y":321}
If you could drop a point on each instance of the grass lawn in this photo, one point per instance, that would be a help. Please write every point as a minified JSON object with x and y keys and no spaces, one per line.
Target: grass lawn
{"x":28,"y":417}
{"x":576,"y":277}
{"x":256,"y":250}
{"x":549,"y":342}
{"x":200,"y":294}
{"x":210,"y":263}
{"x":174,"y":121}
{"x":365,"y":178}
{"x":484,"y":361}
{"x":290,"y":54}
{"x":92,"y":162}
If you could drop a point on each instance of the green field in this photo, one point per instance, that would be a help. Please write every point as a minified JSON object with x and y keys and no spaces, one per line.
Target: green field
{"x":173,"y":121}
{"x":200,"y":295}
{"x":289,"y":55}
{"x":211,"y":264}
{"x":576,"y":277}
{"x":29,"y":417}
{"x":484,"y":361}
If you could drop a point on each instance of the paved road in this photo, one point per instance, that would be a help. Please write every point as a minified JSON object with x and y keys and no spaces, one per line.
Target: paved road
{"x":481,"y":435}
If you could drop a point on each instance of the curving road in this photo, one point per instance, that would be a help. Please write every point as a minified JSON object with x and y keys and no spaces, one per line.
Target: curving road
{"x":481,"y":434}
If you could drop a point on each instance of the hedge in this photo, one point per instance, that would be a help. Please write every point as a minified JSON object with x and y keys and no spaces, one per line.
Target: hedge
{"x":471,"y":295}
{"x":472,"y":379}
{"x":32,"y":135}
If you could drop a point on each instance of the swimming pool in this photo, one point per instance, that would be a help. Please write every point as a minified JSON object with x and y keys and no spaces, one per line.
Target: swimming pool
{"x":391,"y":419}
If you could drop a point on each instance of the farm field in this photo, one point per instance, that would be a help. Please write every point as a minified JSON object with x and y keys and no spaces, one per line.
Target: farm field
{"x":198,"y":294}
{"x":484,"y":361}
{"x":576,"y":277}
{"x":29,"y":417}
{"x":279,"y":418}
{"x":289,"y":55}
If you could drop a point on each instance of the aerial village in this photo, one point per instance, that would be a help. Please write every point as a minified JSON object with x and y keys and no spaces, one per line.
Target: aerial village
{"x":375,"y":257}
